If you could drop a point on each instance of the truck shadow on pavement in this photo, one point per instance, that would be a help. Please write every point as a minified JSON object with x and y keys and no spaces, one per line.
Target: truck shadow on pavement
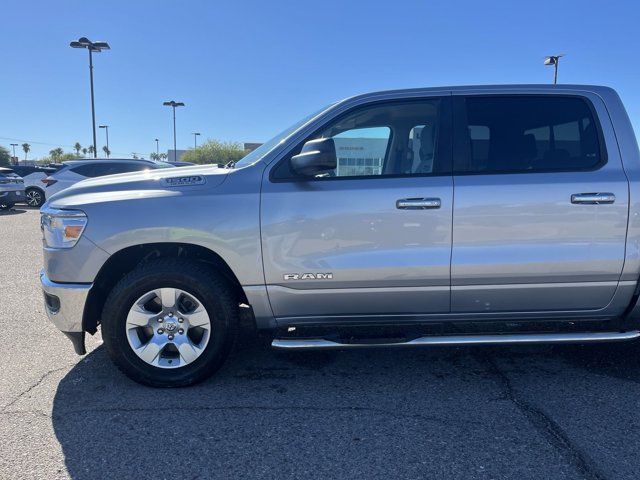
{"x":456,"y":412}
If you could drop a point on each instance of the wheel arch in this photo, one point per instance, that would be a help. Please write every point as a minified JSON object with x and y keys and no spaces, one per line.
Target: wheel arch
{"x":35,"y":187}
{"x":123,"y":261}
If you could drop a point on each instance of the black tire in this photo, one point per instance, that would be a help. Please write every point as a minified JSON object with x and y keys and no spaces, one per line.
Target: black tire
{"x":35,"y":197}
{"x":213,"y":291}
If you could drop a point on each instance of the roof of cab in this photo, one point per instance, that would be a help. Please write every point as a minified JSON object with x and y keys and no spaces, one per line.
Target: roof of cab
{"x":597,"y":89}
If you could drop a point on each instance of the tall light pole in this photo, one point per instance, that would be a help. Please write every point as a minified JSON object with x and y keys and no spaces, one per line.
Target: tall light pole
{"x":106,"y":128}
{"x":84,"y":42}
{"x":157,"y":147}
{"x":15,"y":159}
{"x":174,"y":104}
{"x":195,"y":139}
{"x":554,"y":60}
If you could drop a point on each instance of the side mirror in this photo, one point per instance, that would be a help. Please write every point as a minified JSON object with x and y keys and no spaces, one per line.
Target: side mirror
{"x":317,"y":156}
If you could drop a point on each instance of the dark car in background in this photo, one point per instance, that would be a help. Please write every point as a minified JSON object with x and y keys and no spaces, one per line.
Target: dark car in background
{"x":11,"y":188}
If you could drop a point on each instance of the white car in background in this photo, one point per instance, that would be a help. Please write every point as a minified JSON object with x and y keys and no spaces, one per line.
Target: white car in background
{"x":74,"y":171}
{"x":11,"y":188}
{"x":33,"y":186}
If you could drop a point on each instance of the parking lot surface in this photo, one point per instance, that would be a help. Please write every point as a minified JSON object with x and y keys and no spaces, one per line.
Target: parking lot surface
{"x":509,"y":412}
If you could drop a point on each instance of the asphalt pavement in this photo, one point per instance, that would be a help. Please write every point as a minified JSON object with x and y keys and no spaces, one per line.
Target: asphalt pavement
{"x":527,"y":412}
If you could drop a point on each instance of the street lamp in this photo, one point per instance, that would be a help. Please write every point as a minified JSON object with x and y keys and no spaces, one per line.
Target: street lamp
{"x":97,"y":47}
{"x":174,"y":104}
{"x":106,"y":129}
{"x":157,"y":147}
{"x":553,"y":60}
{"x":195,"y":139}
{"x":15,"y":159}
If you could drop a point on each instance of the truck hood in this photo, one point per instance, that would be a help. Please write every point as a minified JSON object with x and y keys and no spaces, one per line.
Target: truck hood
{"x":148,"y":184}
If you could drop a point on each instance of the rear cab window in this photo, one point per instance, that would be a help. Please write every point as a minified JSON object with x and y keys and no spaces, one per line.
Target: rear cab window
{"x":526,"y":134}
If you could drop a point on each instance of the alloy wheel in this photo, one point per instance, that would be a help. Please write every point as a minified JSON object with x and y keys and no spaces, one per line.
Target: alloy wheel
{"x":168,"y":328}
{"x":34,"y":198}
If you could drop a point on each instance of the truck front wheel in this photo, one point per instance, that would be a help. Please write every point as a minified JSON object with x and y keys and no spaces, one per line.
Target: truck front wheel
{"x":170,"y":323}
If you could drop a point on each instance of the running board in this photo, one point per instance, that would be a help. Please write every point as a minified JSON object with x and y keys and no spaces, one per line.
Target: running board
{"x":511,"y":339}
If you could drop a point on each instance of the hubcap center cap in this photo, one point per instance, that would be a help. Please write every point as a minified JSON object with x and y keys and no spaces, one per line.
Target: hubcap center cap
{"x":170,"y":326}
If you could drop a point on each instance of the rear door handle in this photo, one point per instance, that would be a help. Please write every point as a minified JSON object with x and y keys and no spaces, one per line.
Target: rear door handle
{"x":593,"y":198}
{"x":418,"y":203}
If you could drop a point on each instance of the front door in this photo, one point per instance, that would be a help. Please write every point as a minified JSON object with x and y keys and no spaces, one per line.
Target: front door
{"x":371,"y":238}
{"x":541,"y":204}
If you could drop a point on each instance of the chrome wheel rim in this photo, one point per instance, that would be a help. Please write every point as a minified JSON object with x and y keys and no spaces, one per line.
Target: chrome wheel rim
{"x":168,"y":328}
{"x":34,"y":198}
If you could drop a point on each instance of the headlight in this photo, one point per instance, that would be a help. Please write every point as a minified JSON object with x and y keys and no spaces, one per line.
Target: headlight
{"x":62,"y":228}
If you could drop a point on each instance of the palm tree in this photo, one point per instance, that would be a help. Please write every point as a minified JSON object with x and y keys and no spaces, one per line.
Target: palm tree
{"x":106,"y":151}
{"x":84,"y":151}
{"x":56,"y":153}
{"x":26,"y":147}
{"x":90,"y":149}
{"x":77,"y":147}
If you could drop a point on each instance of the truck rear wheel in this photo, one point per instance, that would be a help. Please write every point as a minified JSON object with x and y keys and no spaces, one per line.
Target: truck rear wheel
{"x":170,"y":323}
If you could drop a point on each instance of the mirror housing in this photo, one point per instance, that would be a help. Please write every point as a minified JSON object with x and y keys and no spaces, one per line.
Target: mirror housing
{"x":317,"y":156}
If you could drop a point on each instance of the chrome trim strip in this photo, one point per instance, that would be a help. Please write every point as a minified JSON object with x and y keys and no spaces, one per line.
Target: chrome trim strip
{"x":322,"y":344}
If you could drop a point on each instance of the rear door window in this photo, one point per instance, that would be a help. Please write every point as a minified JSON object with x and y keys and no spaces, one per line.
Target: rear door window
{"x":519,"y":134}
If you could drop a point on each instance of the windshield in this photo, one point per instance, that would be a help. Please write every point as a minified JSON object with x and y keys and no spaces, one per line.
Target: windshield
{"x":269,"y":145}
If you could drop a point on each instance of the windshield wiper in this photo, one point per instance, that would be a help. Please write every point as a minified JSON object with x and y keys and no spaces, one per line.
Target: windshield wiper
{"x":230,"y":164}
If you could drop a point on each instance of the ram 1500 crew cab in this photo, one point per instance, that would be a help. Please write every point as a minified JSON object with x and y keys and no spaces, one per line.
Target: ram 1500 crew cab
{"x":466,"y":215}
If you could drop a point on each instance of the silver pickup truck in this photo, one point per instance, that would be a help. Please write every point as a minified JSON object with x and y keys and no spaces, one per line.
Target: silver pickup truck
{"x":466,"y":215}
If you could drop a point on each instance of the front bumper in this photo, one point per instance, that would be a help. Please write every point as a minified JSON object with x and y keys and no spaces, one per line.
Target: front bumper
{"x":13,"y":196}
{"x":64,"y":303}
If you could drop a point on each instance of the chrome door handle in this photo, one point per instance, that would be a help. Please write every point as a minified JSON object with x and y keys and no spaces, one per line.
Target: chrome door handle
{"x":593,"y":198}
{"x":418,"y":203}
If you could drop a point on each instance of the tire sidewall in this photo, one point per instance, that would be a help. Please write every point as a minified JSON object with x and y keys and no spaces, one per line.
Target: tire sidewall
{"x":115,"y":333}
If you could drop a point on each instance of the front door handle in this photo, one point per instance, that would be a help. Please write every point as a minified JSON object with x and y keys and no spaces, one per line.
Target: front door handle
{"x":593,"y":198}
{"x":418,"y":203}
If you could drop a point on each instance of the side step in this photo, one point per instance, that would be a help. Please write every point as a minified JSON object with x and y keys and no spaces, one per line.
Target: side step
{"x":511,"y":339}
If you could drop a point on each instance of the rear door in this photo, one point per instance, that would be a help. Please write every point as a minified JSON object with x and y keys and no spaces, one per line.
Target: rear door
{"x":355,"y":241}
{"x":541,"y":204}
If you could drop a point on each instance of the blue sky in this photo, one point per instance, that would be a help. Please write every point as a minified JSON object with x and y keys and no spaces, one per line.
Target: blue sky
{"x":248,"y":69}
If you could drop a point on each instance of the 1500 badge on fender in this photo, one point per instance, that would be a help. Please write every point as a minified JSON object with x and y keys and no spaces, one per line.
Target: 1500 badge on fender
{"x":183,"y":181}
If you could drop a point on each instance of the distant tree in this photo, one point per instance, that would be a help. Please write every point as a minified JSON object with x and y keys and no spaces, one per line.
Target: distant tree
{"x":27,"y":148}
{"x":106,"y":151}
{"x":56,"y":154}
{"x":84,"y":151}
{"x":134,"y":155}
{"x":90,"y":149}
{"x":77,"y":147}
{"x":5,"y":157}
{"x":158,"y":156}
{"x":67,"y":156}
{"x":214,"y":151}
